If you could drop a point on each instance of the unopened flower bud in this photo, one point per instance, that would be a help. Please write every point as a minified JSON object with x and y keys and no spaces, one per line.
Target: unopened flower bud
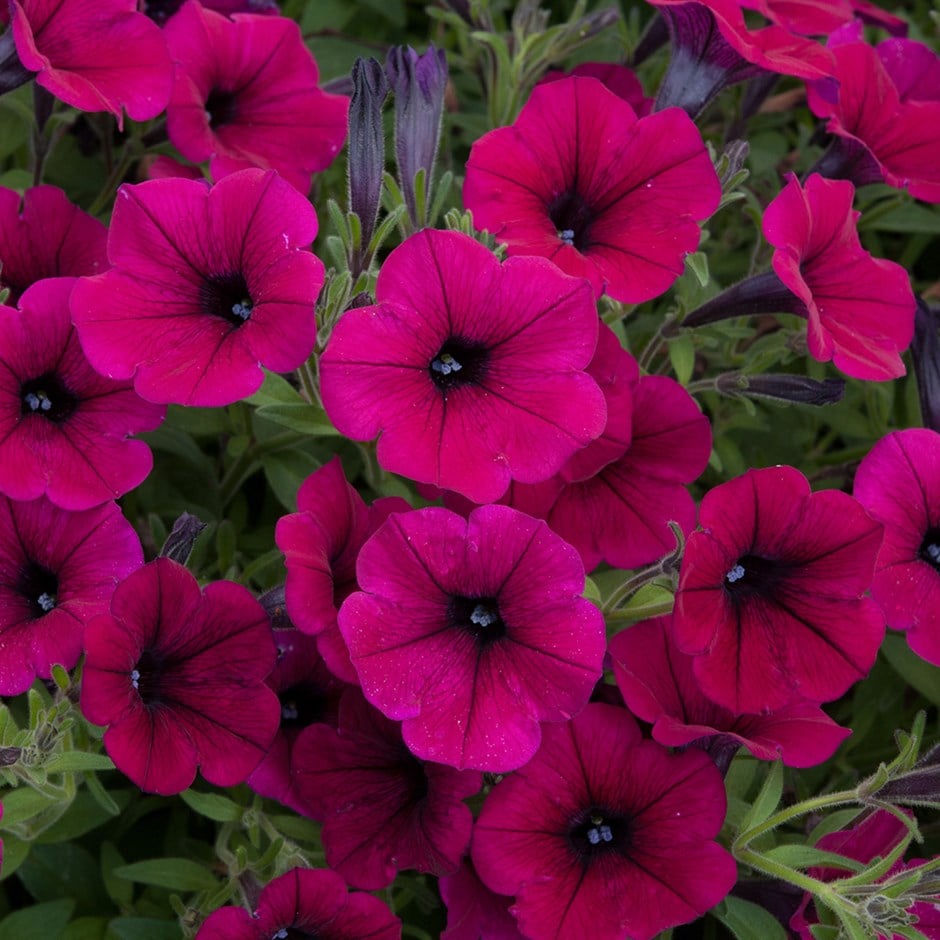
{"x":925,"y":354}
{"x":179,"y":543}
{"x":782,"y":387}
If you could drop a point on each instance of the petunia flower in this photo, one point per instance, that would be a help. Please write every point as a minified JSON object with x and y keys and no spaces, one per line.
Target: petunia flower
{"x":177,"y":676}
{"x":860,"y":309}
{"x":472,"y":632}
{"x":822,"y":17}
{"x":471,"y":370}
{"x":63,"y":427}
{"x":43,"y":235}
{"x":898,"y":482}
{"x":58,"y":569}
{"x":245,"y":95}
{"x":659,"y":686}
{"x":208,"y":285}
{"x":383,"y":810}
{"x":320,"y":544}
{"x":770,"y":592}
{"x":161,"y":10}
{"x":713,"y":47}
{"x":473,"y":911}
{"x":886,"y":121}
{"x":309,"y":694}
{"x":579,"y":179}
{"x":305,"y":903}
{"x":605,"y":835}
{"x":620,"y":79}
{"x":101,"y":56}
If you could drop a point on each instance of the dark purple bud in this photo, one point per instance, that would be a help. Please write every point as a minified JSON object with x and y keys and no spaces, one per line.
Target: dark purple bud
{"x":418,"y":82}
{"x":179,"y":543}
{"x":925,"y":355}
{"x":918,"y":787}
{"x":12,"y":72}
{"x":366,"y":145}
{"x":703,"y":62}
{"x":762,"y":293}
{"x":274,"y":601}
{"x":782,"y":387}
{"x":9,"y":756}
{"x":848,"y":160}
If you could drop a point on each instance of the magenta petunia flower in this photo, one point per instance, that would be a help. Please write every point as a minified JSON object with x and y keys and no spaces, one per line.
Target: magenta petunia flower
{"x":64,"y":427}
{"x":473,"y":632}
{"x":898,"y":482}
{"x":659,"y":686}
{"x":309,"y":694}
{"x":177,"y":675}
{"x":383,"y":810}
{"x":473,"y":911}
{"x":471,"y":370}
{"x":605,"y":835}
{"x":620,"y":79}
{"x":579,"y":179}
{"x":620,"y":514}
{"x":161,"y":10}
{"x":58,"y":569}
{"x":208,"y":285}
{"x":246,"y":95}
{"x":713,"y":47}
{"x":305,"y":902}
{"x":860,"y":309}
{"x":770,"y":592}
{"x":43,"y":235}
{"x":100,"y":56}
{"x":884,"y":132}
{"x":822,"y":17}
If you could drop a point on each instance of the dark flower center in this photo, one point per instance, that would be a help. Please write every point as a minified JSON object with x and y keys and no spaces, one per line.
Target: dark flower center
{"x":47,"y":396}
{"x":161,"y":10}
{"x":221,"y":108}
{"x":146,"y":677}
{"x":572,"y":218}
{"x":598,"y":831}
{"x":301,"y":705}
{"x":293,"y":933}
{"x":458,"y":362}
{"x":40,"y":587}
{"x":752,"y":574}
{"x":226,"y":296}
{"x":478,"y":616}
{"x":929,"y":550}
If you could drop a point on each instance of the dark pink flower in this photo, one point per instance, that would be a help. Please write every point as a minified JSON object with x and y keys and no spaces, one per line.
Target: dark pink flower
{"x":309,"y":694}
{"x":770,"y":593}
{"x":884,"y":133}
{"x":579,"y":179}
{"x":622,"y":81}
{"x":713,"y":47}
{"x":605,"y":835}
{"x":473,"y":911}
{"x":63,"y":427}
{"x":659,"y":685}
{"x":305,"y":903}
{"x":875,"y":836}
{"x":246,"y":95}
{"x":822,"y":17}
{"x":620,"y":514}
{"x":860,"y":309}
{"x":473,"y":632}
{"x":177,"y":675}
{"x":161,"y":10}
{"x":43,"y":235}
{"x":58,"y":569}
{"x":208,"y":285}
{"x":100,"y":56}
{"x":471,"y":370}
{"x":899,"y":484}
{"x":383,"y":810}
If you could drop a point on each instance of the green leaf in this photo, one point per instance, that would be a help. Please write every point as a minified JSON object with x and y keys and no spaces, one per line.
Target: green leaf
{"x":71,"y":761}
{"x":179,"y":874}
{"x":682,"y":357}
{"x":285,"y":473}
{"x":86,"y":928}
{"x":15,"y":852}
{"x":904,"y":219}
{"x":143,"y":928}
{"x":805,"y":856}
{"x":39,"y":922}
{"x":119,"y":890}
{"x":698,"y":265}
{"x":767,"y":799}
{"x":912,"y":669}
{"x":85,"y":814}
{"x":592,"y":592}
{"x":212,"y":806}
{"x":834,"y":822}
{"x":301,"y":416}
{"x":22,"y":804}
{"x":749,"y":921}
{"x":65,"y":870}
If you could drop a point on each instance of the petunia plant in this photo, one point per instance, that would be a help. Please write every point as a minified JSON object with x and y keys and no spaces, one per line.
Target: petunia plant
{"x":469,"y":470}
